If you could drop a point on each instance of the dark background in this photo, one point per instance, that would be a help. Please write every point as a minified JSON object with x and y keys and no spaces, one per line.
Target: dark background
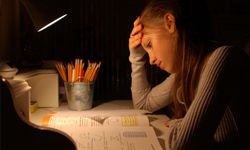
{"x":98,"y":30}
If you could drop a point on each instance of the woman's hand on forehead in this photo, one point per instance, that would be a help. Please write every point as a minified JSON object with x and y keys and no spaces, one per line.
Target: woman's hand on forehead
{"x":137,"y":27}
{"x":136,"y":35}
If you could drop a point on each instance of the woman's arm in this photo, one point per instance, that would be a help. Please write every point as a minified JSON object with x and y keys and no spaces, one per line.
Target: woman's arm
{"x":144,"y":96}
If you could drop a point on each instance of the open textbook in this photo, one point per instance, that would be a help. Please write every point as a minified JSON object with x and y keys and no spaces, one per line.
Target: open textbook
{"x":105,"y":131}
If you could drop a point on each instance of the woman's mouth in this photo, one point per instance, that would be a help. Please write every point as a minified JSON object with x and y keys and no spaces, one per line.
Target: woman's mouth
{"x":159,"y":65}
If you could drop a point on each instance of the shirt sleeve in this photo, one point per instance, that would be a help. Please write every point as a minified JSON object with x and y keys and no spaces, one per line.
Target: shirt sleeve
{"x":196,"y":130}
{"x":144,"y":96}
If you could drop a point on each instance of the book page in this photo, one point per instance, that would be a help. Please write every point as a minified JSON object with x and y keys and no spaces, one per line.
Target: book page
{"x":99,"y":131}
{"x":91,"y":112}
{"x":60,"y":122}
{"x":119,"y":138}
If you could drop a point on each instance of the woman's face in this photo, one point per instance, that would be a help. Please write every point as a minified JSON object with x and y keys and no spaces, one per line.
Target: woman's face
{"x":161,"y":47}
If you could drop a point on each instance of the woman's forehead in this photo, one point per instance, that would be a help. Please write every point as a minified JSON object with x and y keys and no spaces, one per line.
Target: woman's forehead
{"x":152,"y":32}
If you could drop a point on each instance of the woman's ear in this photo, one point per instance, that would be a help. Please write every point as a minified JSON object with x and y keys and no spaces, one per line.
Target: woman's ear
{"x":169,"y":22}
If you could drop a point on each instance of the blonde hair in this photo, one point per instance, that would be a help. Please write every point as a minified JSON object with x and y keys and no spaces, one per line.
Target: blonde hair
{"x":191,"y":49}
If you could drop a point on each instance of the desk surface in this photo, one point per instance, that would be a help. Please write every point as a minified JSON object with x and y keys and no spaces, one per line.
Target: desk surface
{"x":124,"y":106}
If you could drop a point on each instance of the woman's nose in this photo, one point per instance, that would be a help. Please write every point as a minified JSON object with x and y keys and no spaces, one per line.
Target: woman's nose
{"x":152,"y":59}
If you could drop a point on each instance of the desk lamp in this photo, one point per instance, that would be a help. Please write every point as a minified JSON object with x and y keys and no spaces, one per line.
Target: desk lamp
{"x":43,"y":13}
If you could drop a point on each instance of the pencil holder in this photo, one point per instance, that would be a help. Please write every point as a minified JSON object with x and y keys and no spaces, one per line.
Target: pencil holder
{"x":79,"y":95}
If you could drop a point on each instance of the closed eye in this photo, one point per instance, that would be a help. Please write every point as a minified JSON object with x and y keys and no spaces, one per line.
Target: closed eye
{"x":149,"y":44}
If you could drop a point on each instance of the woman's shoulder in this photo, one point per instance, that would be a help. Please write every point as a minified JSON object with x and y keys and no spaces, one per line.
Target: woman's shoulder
{"x":227,"y":53}
{"x":223,"y":52}
{"x":220,"y":51}
{"x":218,"y":54}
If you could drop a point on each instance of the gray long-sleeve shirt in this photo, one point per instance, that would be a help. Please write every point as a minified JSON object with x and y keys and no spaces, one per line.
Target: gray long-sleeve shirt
{"x":217,"y":117}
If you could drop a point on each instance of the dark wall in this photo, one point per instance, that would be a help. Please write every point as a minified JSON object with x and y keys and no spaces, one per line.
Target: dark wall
{"x":231,"y":19}
{"x":99,"y":29}
{"x":9,"y":28}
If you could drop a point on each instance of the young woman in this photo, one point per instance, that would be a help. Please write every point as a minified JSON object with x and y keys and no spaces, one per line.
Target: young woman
{"x":208,"y":85}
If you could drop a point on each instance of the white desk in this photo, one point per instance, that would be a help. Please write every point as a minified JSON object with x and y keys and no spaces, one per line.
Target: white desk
{"x":157,"y":122}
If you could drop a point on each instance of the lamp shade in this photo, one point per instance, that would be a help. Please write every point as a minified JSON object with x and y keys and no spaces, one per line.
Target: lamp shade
{"x":44,"y":13}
